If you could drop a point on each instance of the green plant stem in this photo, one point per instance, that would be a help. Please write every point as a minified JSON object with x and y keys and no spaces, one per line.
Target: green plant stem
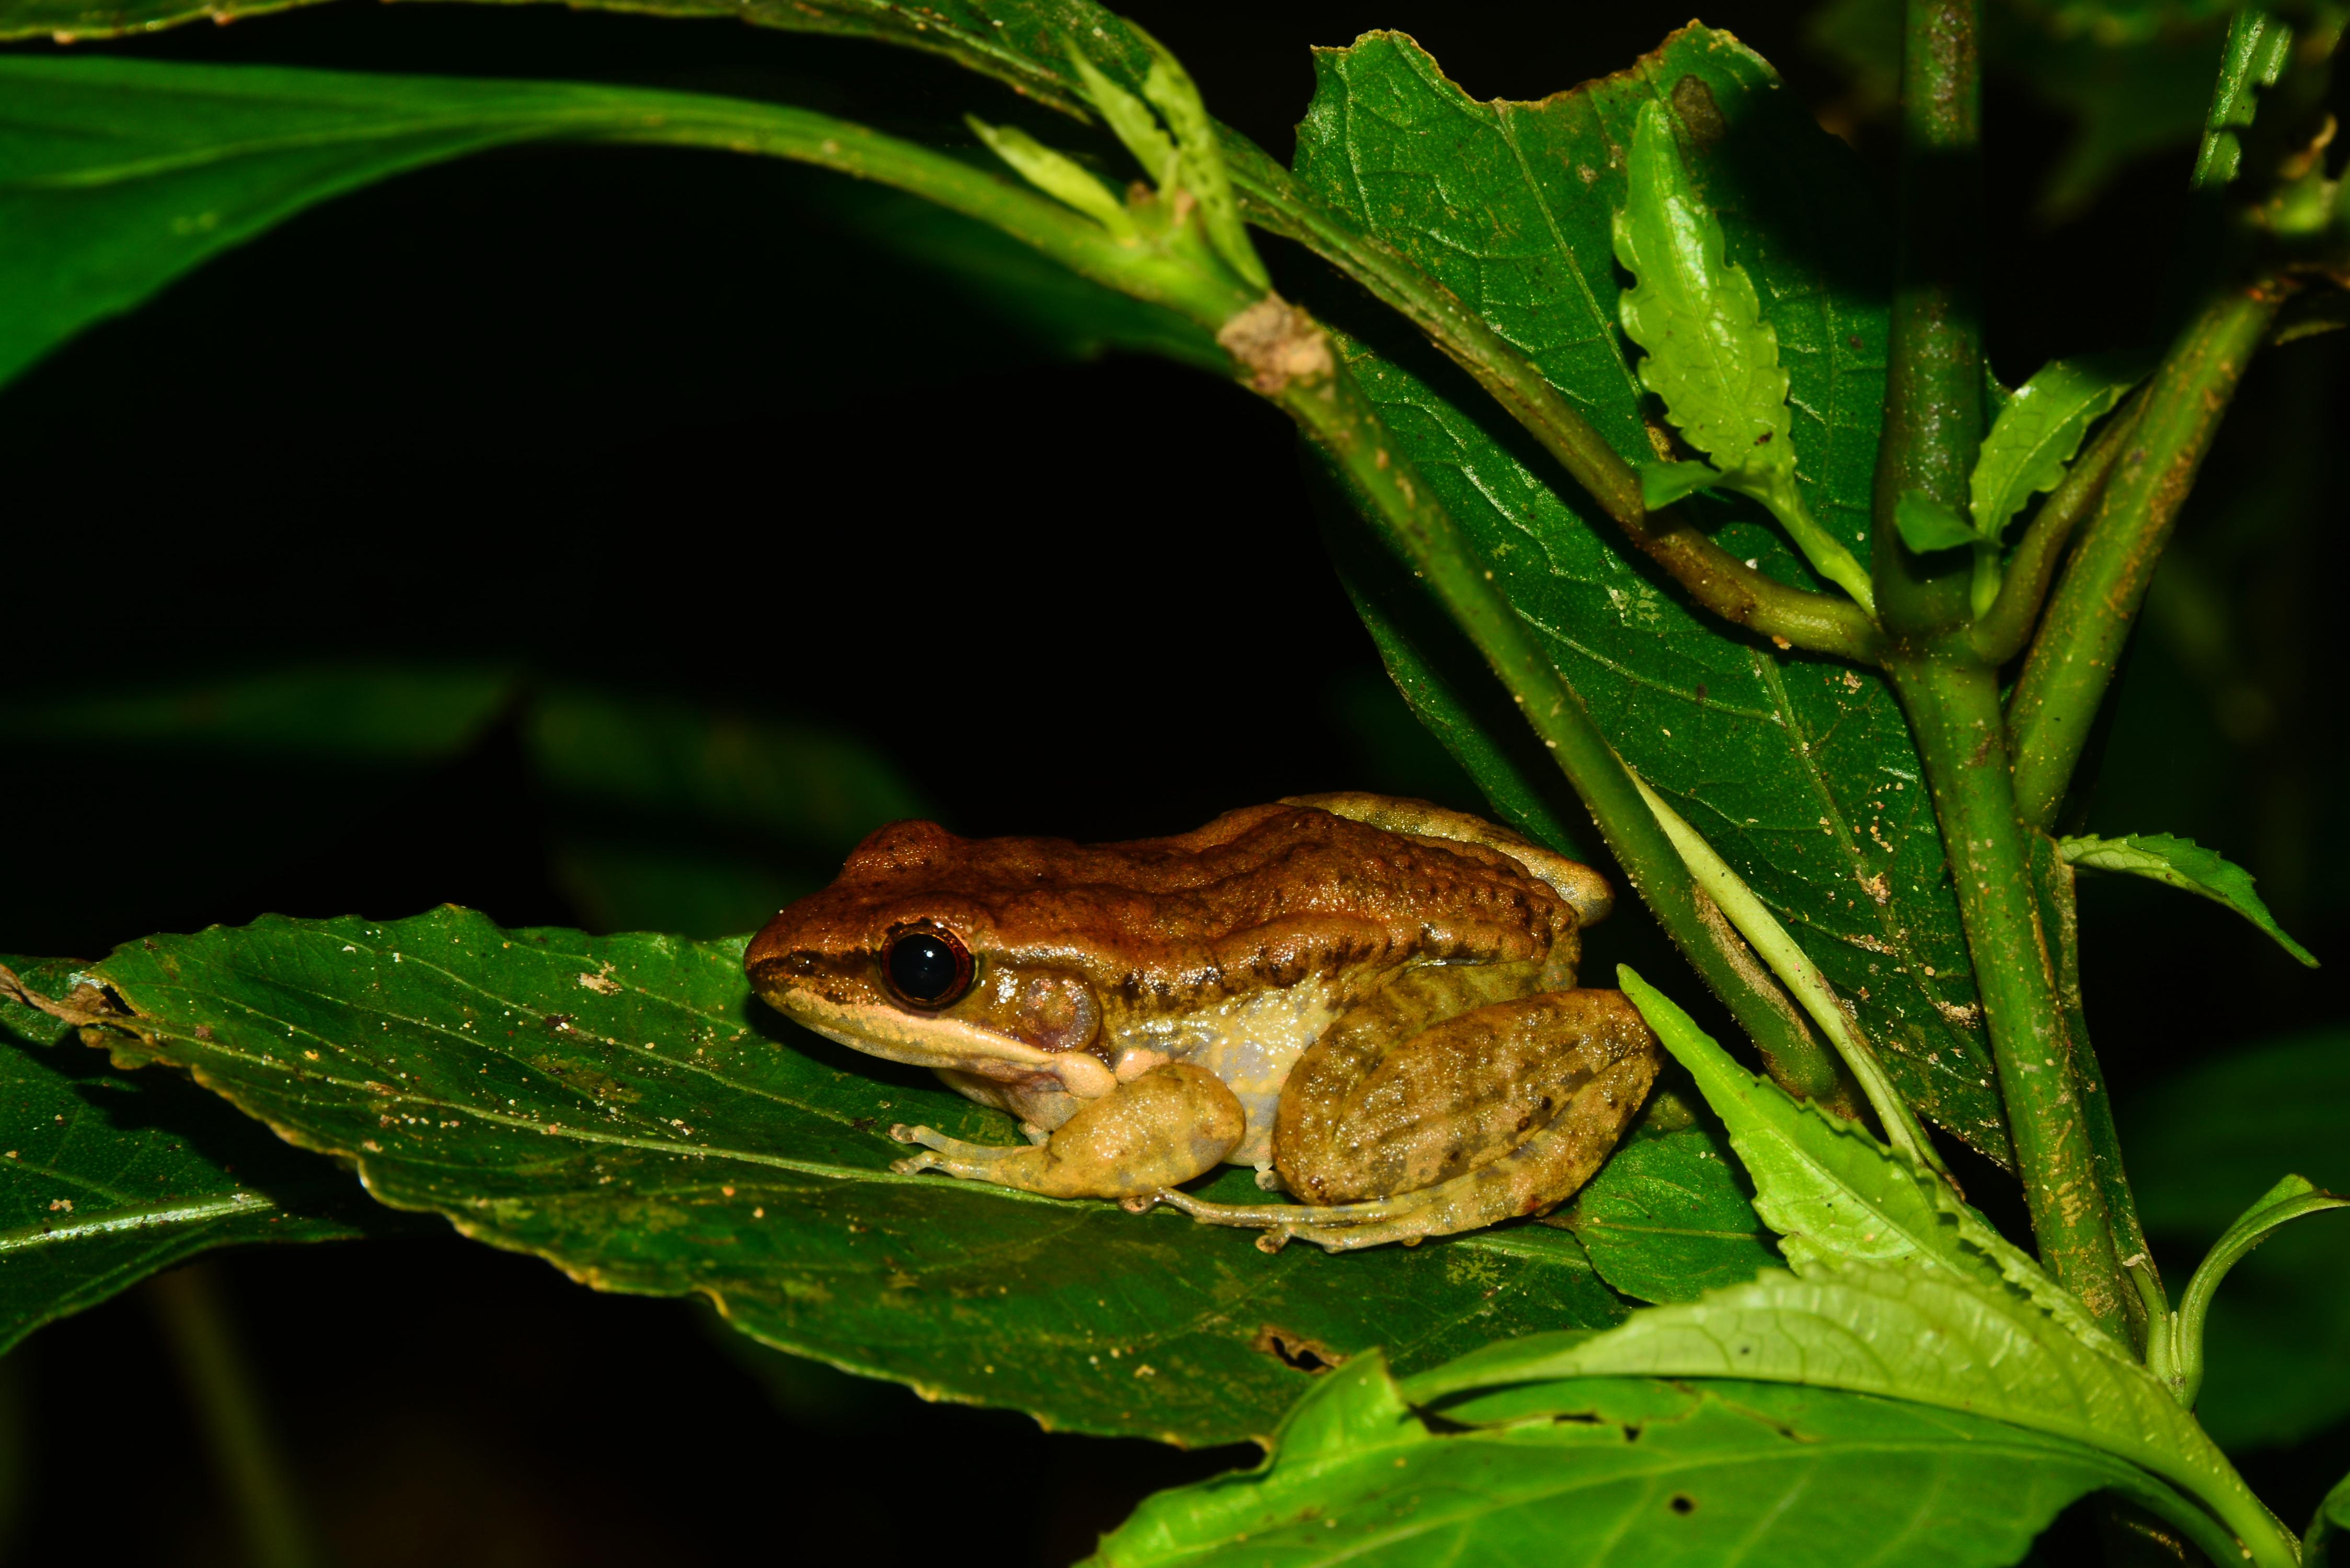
{"x":1800,"y":976}
{"x":2001,"y":633}
{"x":1823,"y":623}
{"x":1934,"y":400}
{"x":2143,"y":1306}
{"x":1952,"y":701}
{"x":2073,"y":659}
{"x":1167,"y":275}
{"x":245,"y":1455}
{"x":1335,"y":414}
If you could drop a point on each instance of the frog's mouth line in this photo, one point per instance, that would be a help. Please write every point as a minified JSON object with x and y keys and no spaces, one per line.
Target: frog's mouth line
{"x":947,"y":1043}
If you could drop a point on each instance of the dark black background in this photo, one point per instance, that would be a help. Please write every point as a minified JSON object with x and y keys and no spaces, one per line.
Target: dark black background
{"x":653,"y":419}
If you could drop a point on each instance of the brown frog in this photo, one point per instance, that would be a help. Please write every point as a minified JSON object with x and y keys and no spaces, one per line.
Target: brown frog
{"x":1371,"y":1001}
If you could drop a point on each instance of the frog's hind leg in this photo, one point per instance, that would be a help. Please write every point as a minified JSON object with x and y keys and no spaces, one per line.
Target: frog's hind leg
{"x":1169,"y":1124}
{"x":1502,"y":1110}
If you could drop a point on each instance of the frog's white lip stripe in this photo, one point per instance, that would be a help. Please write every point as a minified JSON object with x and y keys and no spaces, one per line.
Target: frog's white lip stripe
{"x":932,"y":1042}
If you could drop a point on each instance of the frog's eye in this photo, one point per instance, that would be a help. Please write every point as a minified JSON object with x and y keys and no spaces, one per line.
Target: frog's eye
{"x":927,"y":965}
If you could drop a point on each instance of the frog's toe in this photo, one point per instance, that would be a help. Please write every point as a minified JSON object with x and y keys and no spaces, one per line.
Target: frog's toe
{"x":913,"y":1163}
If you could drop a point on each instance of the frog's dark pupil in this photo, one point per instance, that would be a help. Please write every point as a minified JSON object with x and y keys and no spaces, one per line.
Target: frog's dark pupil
{"x":923,"y":967}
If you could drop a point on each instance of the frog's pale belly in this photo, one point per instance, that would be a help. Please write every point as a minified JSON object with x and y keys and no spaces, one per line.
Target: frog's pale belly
{"x":1250,"y":1042}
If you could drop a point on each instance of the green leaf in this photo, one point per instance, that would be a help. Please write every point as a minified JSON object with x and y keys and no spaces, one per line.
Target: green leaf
{"x":1668,"y":1217}
{"x":2330,"y":1525}
{"x":2180,"y":1356}
{"x":2203,"y":1144}
{"x":117,"y":175}
{"x":1169,"y":88}
{"x":2182,"y":863}
{"x":1927,"y":525}
{"x":1710,"y":354}
{"x":1928,"y":1335}
{"x":622,"y":1108}
{"x":1624,"y":1471}
{"x":108,"y":1176}
{"x":2258,"y":47}
{"x":1836,"y":1195}
{"x":2036,"y":435}
{"x":1058,"y":176}
{"x":1801,"y":773}
{"x":1663,"y":484}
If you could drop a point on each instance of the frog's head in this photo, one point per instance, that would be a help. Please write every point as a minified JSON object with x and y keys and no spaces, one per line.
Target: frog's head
{"x":948,"y":953}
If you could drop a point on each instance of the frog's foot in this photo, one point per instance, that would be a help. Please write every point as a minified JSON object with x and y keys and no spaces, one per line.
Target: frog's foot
{"x":1166,"y":1126}
{"x":1340,"y":1227}
{"x":972,"y":1161}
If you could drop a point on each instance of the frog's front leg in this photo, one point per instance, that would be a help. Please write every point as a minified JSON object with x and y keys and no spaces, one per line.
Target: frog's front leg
{"x":1169,"y":1124}
{"x":1500,"y":1111}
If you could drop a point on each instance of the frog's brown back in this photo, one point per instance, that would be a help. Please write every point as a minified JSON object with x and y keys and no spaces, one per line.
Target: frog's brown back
{"x":1275,"y":892}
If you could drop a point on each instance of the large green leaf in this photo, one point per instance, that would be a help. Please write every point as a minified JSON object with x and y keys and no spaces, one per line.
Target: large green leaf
{"x":621,"y":1106}
{"x":2203,"y":1145}
{"x":1927,"y":1335}
{"x":1668,"y":1218}
{"x":106,"y":1177}
{"x":118,"y":175}
{"x":1836,"y":1195}
{"x":1606,"y":1470}
{"x":1800,"y":771}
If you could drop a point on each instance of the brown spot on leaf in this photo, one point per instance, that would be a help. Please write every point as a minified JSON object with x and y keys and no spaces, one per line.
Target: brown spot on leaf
{"x":1693,"y":102}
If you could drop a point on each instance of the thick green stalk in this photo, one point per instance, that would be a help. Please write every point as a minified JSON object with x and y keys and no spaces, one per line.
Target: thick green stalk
{"x":1933,"y":393}
{"x":2089,"y":616}
{"x":1334,"y":413}
{"x":1952,"y":701}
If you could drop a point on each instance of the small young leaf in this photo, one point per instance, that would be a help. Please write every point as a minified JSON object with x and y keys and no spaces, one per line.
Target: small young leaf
{"x":1710,"y":354}
{"x":1927,"y":525}
{"x":1063,"y":179}
{"x":1663,"y":484}
{"x":1169,"y":88}
{"x":2185,"y":864}
{"x":2036,"y":435}
{"x":2258,"y":47}
{"x":2179,"y":1359}
{"x":1130,"y":120}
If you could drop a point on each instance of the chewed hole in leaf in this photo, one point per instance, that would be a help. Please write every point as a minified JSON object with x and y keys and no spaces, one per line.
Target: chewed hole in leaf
{"x":1297,"y":1350}
{"x":1682,"y":1504}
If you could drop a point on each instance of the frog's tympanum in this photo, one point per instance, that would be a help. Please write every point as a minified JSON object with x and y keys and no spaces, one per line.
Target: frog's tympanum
{"x":1370,"y":1000}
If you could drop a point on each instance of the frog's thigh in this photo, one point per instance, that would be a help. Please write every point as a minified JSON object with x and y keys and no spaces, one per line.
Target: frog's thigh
{"x":1456,"y":1097}
{"x":1165,"y":1127}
